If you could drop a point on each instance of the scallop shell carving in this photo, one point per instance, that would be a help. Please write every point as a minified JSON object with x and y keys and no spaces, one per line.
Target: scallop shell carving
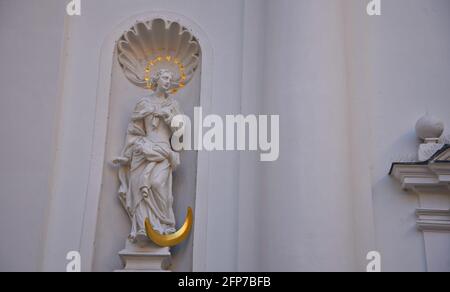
{"x":158,"y":44}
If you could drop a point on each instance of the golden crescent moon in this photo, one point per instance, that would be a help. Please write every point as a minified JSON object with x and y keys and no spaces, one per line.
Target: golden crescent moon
{"x":170,"y":239}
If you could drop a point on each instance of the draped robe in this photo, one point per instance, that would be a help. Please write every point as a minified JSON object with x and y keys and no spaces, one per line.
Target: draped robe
{"x":147,"y":165}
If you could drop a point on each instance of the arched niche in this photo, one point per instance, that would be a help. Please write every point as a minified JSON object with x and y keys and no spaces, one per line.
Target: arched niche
{"x":106,"y":225}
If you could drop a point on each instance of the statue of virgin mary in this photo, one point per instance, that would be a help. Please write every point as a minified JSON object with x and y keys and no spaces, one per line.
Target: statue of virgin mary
{"x":148,"y":160}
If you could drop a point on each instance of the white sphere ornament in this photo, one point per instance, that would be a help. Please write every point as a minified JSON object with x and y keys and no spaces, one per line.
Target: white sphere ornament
{"x":429,"y":127}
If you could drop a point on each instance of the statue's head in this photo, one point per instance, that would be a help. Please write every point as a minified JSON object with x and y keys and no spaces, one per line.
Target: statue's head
{"x":162,"y":80}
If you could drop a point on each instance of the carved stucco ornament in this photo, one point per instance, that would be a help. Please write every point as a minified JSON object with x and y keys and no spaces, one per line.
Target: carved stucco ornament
{"x":158,"y":44}
{"x":429,"y":129}
{"x":428,"y":176}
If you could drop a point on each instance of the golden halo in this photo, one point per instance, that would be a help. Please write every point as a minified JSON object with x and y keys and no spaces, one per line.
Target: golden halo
{"x":166,"y":59}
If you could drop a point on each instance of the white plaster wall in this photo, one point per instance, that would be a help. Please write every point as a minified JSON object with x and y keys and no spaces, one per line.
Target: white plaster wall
{"x":392,"y":69}
{"x":348,"y":89}
{"x":410,"y":70}
{"x":357,"y":46}
{"x":250,"y":187}
{"x":306,"y":206}
{"x":30,"y":49}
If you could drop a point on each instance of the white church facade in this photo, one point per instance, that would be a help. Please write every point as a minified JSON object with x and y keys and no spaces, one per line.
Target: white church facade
{"x":313,"y":135}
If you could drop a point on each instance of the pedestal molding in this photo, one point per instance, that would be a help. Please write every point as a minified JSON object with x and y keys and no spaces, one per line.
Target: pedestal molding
{"x":433,"y":220}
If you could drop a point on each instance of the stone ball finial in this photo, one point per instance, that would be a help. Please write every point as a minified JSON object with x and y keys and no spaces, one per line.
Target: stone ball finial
{"x":429,"y":127}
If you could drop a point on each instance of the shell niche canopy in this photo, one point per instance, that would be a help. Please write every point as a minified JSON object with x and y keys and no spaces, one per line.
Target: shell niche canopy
{"x":158,"y":44}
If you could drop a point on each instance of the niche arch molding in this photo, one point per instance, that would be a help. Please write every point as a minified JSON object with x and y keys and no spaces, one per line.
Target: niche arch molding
{"x":89,"y":225}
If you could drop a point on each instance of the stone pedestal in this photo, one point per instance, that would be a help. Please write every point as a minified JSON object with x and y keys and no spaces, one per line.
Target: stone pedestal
{"x":145,"y":257}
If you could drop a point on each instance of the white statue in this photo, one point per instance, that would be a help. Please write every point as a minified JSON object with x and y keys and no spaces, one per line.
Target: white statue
{"x":148,"y":160}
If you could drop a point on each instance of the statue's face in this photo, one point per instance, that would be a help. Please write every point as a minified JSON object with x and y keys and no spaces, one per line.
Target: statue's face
{"x":165,"y":81}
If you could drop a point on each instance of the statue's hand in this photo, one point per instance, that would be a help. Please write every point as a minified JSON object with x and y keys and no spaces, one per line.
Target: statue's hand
{"x":174,"y":159}
{"x":165,"y":116}
{"x":141,"y":147}
{"x":121,"y":160}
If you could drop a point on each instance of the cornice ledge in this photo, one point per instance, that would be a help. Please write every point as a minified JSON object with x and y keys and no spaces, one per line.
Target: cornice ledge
{"x":434,"y":172}
{"x":433,"y":220}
